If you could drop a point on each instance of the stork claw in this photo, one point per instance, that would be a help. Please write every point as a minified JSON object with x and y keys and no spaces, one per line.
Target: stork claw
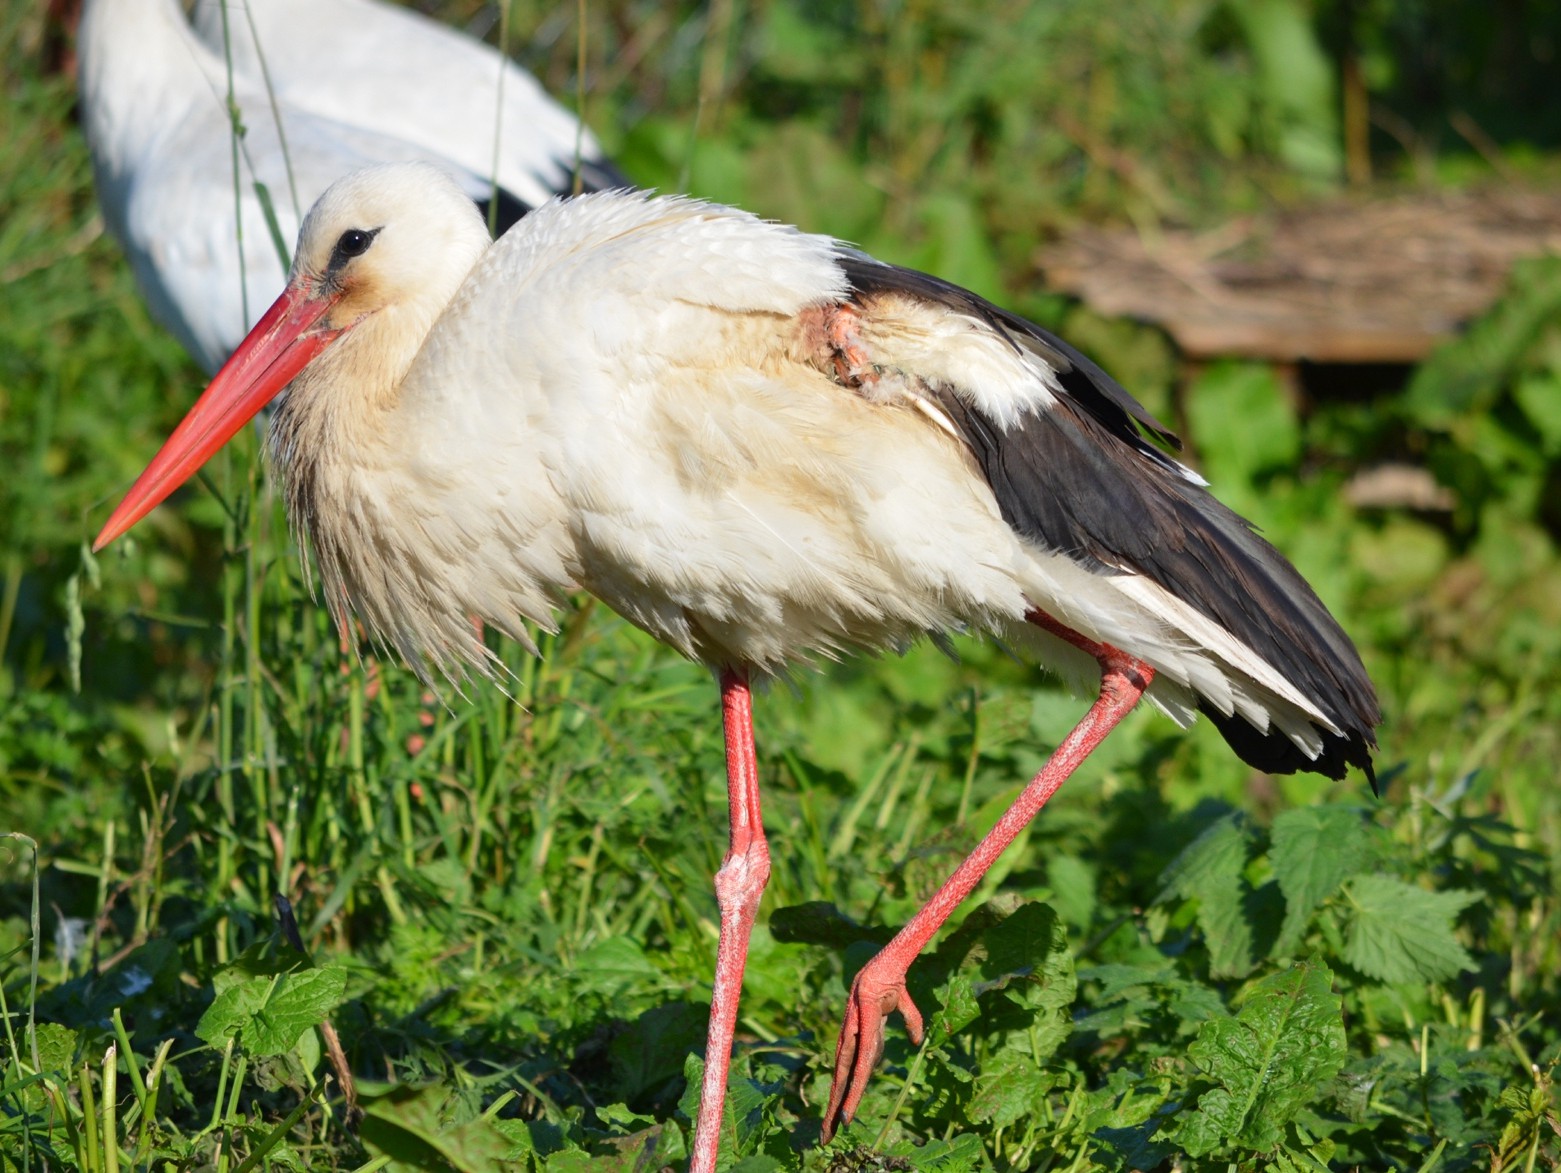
{"x":878,"y":990}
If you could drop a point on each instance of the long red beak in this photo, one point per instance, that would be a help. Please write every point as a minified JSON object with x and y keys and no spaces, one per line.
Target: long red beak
{"x":283,"y":342}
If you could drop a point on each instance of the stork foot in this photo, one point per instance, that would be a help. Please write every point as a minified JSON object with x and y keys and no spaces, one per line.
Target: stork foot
{"x":879,"y":989}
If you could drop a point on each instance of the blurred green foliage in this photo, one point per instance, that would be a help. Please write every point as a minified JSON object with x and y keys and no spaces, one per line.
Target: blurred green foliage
{"x":507,"y":906}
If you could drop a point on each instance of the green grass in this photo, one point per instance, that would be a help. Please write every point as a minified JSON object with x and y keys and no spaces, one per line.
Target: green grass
{"x":506,"y":903}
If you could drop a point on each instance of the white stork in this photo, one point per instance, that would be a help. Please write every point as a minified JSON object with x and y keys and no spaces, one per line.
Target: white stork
{"x":762,"y":447}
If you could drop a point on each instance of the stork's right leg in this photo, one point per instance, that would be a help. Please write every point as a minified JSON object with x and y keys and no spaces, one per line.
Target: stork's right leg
{"x":880,"y":986}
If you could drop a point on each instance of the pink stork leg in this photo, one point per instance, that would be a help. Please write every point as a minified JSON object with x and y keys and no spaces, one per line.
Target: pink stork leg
{"x":880,"y":986}
{"x":738,"y":885}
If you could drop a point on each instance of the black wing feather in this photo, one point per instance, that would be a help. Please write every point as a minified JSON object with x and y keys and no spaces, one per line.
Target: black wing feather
{"x":1080,"y":478}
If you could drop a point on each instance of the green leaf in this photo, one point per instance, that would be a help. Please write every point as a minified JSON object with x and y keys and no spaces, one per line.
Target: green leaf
{"x":1028,"y":958}
{"x":1211,"y":871}
{"x":1265,"y":1063}
{"x":960,"y":1155}
{"x":757,"y":1163}
{"x":431,"y":1129}
{"x":741,"y":1114}
{"x":647,"y":1055}
{"x":1074,"y":884}
{"x":1010,"y":1088}
{"x":959,"y":1006}
{"x":269,"y":1013}
{"x":1401,"y":933}
{"x":1024,"y":955}
{"x":56,"y":1047}
{"x":1209,"y":862}
{"x":1314,"y":850}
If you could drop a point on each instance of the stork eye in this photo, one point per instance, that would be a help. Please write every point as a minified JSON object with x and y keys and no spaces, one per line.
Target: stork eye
{"x":354,"y":242}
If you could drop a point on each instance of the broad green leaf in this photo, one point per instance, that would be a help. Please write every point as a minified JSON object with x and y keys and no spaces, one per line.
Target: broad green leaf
{"x":1073,"y":889}
{"x":56,"y":1047}
{"x":1211,"y":871}
{"x":1209,"y":862}
{"x":269,"y":1013}
{"x":263,"y":959}
{"x":1007,"y":1089}
{"x":1265,"y":1063}
{"x":959,"y":1005}
{"x":740,"y":1115}
{"x":1401,"y":933}
{"x":648,"y":1054}
{"x":1122,"y":1117}
{"x":1313,"y":851}
{"x":962,"y":1154}
{"x":757,"y":1163}
{"x":56,"y":1053}
{"x":231,"y":1010}
{"x":1025,"y":955}
{"x":432,"y":1129}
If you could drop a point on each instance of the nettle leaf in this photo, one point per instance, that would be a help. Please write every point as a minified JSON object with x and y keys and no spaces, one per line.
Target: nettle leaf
{"x":742,"y":1115}
{"x":431,"y":1129}
{"x":1020,"y":958}
{"x":962,"y":1154}
{"x":1301,"y":1153}
{"x":56,"y":1046}
{"x":1314,"y":850}
{"x":1402,"y":933}
{"x":1265,"y":1063}
{"x":1075,"y":888}
{"x":1211,"y":870}
{"x":268,"y":1014}
{"x":1029,"y":960}
{"x":959,"y":1006}
{"x":1122,"y":1118}
{"x":1010,"y":1087}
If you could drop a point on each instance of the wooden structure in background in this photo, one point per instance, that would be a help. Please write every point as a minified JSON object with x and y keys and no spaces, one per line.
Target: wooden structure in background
{"x":1379,"y":281}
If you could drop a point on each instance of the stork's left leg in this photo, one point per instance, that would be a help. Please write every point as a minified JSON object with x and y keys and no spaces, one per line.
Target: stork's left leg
{"x":880,"y":986}
{"x":738,"y":886}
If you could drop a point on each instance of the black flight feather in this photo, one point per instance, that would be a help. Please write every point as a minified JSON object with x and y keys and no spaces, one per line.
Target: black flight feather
{"x":1142,"y":513}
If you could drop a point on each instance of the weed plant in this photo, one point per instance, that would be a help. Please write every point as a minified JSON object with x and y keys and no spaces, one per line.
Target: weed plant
{"x":504,"y":902}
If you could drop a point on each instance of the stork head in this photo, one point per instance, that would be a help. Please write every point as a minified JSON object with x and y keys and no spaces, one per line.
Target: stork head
{"x":379,"y":257}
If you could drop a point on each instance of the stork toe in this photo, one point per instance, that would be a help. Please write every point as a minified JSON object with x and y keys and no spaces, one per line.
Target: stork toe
{"x":878,"y":990}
